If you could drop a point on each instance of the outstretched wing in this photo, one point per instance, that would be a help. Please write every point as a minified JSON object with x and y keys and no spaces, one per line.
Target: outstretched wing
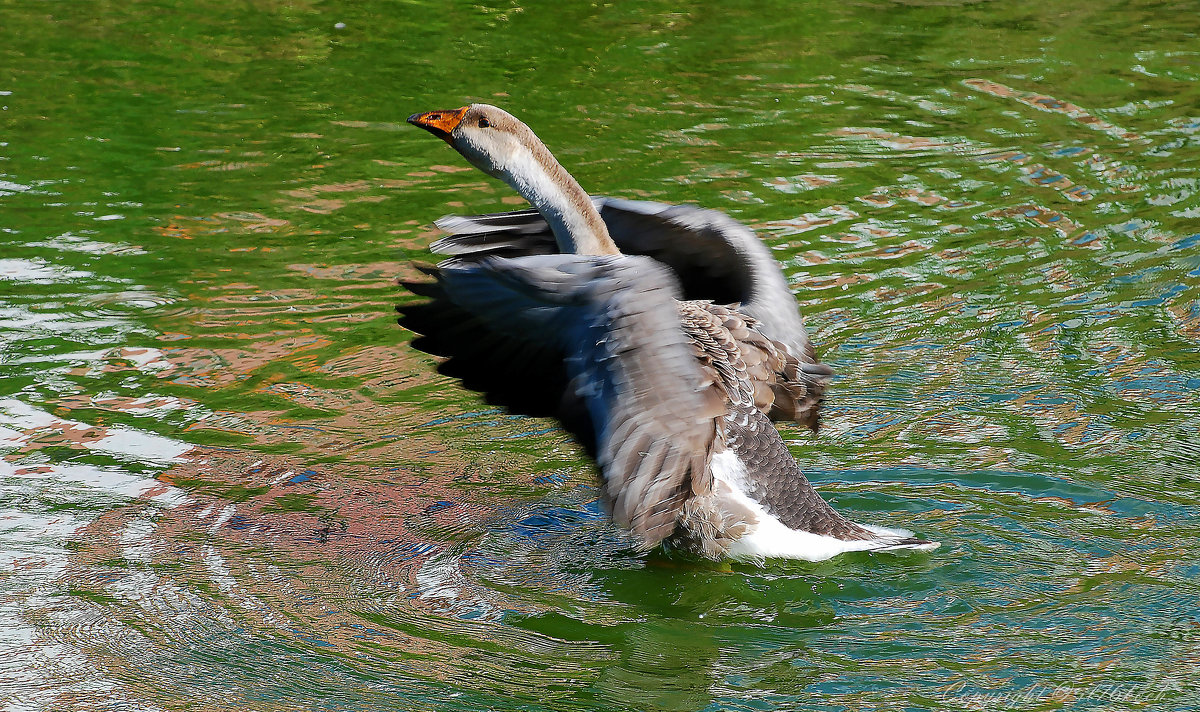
{"x":526,"y":376}
{"x":713,"y":257}
{"x":653,"y":404}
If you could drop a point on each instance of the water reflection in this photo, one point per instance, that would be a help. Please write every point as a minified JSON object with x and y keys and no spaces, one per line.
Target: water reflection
{"x":226,"y":477}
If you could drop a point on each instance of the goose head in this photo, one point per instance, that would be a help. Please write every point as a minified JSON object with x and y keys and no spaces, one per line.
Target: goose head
{"x":490,"y":138}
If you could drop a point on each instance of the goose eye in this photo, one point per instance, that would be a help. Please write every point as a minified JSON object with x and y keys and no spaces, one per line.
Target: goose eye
{"x":484,"y":123}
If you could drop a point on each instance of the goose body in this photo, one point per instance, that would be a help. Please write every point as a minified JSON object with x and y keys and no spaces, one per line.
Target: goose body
{"x":669,"y":332}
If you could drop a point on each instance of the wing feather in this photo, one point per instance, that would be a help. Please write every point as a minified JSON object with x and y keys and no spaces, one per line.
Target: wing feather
{"x":713,"y":257}
{"x":616,"y":320}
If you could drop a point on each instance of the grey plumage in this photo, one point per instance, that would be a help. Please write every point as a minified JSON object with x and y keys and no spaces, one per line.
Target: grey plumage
{"x":666,"y":385}
{"x":712,"y":256}
{"x":615,"y":321}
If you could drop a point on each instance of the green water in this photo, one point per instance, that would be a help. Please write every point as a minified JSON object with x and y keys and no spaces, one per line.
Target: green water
{"x":226,"y":482}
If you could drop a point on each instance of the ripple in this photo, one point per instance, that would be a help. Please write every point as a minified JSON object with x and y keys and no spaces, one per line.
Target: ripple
{"x":226,"y":476}
{"x":1043,"y":102}
{"x":129,"y":300}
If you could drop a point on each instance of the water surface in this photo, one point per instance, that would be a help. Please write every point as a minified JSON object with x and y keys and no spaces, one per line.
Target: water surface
{"x":226,"y":481}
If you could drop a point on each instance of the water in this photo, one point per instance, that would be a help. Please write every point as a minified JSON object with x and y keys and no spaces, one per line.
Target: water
{"x":227,"y":481}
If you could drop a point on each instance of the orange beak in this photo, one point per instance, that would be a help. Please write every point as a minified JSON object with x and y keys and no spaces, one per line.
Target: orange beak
{"x":439,"y":123}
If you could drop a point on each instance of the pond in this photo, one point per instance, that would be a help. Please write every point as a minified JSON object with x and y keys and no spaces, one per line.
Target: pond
{"x":228,"y":482}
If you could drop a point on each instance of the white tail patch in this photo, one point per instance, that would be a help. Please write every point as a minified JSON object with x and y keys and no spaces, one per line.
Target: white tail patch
{"x":771,"y":539}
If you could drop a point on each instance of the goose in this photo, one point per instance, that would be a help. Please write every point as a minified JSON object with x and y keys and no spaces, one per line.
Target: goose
{"x":676,"y":339}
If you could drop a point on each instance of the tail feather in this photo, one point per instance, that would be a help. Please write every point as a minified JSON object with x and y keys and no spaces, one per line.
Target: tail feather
{"x":912,"y":543}
{"x":886,"y":539}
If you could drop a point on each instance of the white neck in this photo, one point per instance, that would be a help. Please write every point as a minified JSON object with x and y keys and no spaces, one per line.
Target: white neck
{"x":578,"y":227}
